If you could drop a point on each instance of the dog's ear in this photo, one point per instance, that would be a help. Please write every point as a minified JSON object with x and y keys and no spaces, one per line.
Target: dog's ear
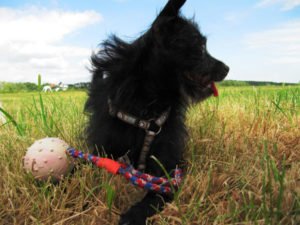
{"x":172,"y":8}
{"x":169,"y":13}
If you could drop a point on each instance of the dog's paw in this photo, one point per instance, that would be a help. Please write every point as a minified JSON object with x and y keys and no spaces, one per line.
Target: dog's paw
{"x":132,"y":218}
{"x":131,"y":221}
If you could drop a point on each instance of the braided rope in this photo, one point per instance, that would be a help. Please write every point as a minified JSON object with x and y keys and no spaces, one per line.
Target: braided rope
{"x":142,"y":180}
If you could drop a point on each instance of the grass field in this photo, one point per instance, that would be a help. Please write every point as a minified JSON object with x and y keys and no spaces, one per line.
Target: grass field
{"x":243,"y":163}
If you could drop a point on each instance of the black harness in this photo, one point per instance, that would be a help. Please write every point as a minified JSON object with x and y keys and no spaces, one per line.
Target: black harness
{"x":152,"y":128}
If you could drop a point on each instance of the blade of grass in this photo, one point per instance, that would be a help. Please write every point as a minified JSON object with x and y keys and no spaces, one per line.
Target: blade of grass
{"x":13,"y":121}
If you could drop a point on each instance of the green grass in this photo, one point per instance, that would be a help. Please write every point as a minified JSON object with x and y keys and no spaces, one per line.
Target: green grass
{"x":243,"y":160}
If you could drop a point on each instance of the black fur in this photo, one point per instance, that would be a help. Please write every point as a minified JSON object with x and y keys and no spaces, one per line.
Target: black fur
{"x":168,"y":66}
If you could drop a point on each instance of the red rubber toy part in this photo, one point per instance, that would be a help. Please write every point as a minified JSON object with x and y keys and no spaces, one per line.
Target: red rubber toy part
{"x":108,"y":164}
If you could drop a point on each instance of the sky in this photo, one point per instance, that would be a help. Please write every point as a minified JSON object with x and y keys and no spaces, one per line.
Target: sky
{"x":258,"y":39}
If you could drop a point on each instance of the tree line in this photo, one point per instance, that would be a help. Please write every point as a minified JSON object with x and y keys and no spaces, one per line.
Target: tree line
{"x":9,"y":87}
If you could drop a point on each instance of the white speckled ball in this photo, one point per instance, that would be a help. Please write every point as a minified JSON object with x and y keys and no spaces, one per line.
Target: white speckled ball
{"x":47,"y":158}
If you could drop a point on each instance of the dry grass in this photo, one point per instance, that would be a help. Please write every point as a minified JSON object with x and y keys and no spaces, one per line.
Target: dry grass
{"x":243,"y":163}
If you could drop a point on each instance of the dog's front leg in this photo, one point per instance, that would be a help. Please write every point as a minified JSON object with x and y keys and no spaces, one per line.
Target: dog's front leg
{"x":150,"y":205}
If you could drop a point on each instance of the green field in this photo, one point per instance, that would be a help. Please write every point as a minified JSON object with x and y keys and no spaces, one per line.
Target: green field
{"x":243,"y":161}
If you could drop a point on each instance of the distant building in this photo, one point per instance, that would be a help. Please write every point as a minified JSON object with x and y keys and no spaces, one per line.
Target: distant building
{"x":82,"y":85}
{"x":61,"y":87}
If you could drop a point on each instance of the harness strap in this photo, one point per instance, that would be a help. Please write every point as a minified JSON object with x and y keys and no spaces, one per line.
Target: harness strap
{"x":152,"y":128}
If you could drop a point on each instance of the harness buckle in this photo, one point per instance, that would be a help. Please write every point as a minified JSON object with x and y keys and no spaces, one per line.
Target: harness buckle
{"x":153,"y":128}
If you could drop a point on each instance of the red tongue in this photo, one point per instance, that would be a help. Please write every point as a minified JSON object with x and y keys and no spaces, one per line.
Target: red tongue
{"x":214,"y":88}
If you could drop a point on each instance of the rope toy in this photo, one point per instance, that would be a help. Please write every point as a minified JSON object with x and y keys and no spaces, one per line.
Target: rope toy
{"x":142,"y":180}
{"x":47,"y":158}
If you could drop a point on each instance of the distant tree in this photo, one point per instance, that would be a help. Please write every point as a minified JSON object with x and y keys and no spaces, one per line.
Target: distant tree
{"x":31,"y":86}
{"x":252,"y":83}
{"x":7,"y":87}
{"x":234,"y":83}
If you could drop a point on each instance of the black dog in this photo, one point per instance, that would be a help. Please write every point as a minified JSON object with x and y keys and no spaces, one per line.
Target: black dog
{"x":147,"y":85}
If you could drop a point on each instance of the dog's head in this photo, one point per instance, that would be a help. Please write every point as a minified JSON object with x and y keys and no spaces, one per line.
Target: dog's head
{"x":181,"y":45}
{"x":166,"y":63}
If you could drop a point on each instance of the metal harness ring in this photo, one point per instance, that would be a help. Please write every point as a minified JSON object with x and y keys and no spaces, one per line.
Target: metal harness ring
{"x":153,"y":132}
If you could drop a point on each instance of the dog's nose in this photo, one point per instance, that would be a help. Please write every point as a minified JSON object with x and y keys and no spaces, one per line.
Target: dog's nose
{"x":222,"y":72}
{"x":226,"y":69}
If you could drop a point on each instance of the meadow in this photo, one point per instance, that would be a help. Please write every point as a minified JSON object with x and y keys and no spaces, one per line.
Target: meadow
{"x":243,"y":162}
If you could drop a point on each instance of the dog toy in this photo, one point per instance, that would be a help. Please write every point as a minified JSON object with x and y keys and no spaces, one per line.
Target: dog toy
{"x":47,"y":158}
{"x":43,"y":164}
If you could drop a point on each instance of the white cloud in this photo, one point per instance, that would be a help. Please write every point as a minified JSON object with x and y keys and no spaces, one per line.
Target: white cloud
{"x":31,"y":42}
{"x":281,"y":44}
{"x":274,"y":54}
{"x":286,"y":4}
